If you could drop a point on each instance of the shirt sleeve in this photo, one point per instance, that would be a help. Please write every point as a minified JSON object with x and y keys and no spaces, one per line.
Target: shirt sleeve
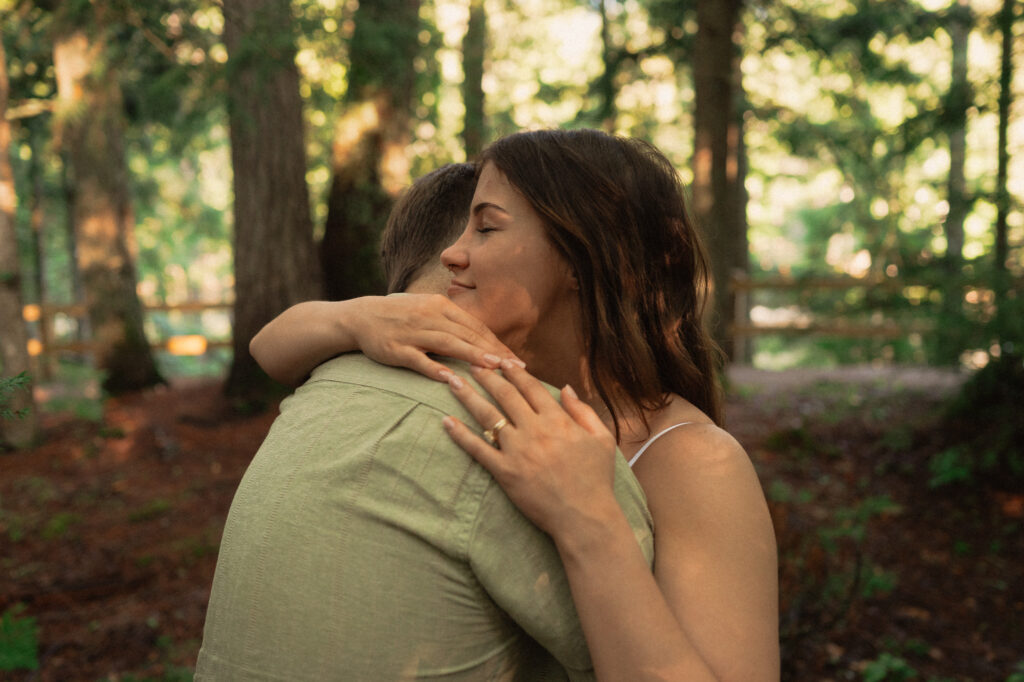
{"x":519,"y":567}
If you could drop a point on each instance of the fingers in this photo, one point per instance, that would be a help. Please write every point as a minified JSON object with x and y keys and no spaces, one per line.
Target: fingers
{"x":483,"y":411}
{"x":535,"y":393}
{"x":465,"y":438}
{"x":508,"y":396}
{"x":474,"y":332}
{"x":583,"y":414}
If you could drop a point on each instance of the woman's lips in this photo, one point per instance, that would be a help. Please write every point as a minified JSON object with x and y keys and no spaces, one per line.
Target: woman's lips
{"x":456,"y":287}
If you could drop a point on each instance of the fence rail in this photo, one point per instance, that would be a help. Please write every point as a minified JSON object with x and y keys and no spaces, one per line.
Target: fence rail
{"x":743,"y":328}
{"x":179,"y":344}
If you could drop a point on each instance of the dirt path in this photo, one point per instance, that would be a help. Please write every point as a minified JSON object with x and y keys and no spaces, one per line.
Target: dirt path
{"x":109,"y":530}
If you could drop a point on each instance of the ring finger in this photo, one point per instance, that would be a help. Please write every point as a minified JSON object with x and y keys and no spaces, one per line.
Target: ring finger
{"x":483,"y":411}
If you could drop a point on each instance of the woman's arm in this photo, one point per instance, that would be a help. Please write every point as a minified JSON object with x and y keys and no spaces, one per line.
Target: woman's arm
{"x":393,"y":330}
{"x":709,"y":611}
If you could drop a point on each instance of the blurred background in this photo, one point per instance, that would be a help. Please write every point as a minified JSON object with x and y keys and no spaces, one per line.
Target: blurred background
{"x":175,"y":173}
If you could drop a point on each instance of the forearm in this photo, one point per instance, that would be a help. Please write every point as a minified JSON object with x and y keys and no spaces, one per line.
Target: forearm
{"x":630,"y":628}
{"x":291,"y":345}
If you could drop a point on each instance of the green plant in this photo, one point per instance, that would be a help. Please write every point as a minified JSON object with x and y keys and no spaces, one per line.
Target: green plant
{"x":986,"y":430}
{"x":59,"y":525}
{"x":1018,"y":673}
{"x":952,"y":465}
{"x":888,"y":667}
{"x":851,"y":522}
{"x":19,"y":640}
{"x":8,"y":387}
{"x":152,"y":510}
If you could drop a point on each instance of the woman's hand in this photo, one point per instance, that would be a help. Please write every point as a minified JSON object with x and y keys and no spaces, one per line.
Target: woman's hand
{"x":402,"y":330}
{"x":393,"y":330}
{"x":555,"y":462}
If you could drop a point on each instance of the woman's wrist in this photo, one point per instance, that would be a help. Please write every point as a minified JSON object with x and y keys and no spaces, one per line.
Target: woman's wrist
{"x":592,"y":533}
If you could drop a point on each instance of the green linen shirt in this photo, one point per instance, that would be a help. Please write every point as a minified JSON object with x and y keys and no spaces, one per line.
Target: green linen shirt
{"x":363,"y":544}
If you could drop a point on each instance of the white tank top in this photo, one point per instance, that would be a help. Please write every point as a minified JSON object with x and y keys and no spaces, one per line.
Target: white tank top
{"x":654,"y":438}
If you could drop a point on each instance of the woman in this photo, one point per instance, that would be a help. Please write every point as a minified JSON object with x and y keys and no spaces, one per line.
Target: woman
{"x":579,"y":256}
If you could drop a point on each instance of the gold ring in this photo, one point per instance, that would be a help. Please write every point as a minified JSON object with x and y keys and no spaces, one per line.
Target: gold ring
{"x":491,"y":434}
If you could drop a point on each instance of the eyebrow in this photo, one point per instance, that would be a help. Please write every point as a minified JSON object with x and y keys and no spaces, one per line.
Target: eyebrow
{"x":483,"y":205}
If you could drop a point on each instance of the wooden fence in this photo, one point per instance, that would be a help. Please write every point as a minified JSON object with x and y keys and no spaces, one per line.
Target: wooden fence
{"x":180,"y":344}
{"x":744,"y":329}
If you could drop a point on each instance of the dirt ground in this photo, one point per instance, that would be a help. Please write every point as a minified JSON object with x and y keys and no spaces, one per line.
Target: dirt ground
{"x":109,"y":530}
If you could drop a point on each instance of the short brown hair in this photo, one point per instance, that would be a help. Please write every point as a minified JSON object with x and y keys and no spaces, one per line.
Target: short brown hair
{"x":427,"y":217}
{"x":615,"y":209}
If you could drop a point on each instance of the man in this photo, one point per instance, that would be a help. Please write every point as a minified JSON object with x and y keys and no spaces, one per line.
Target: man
{"x":363,"y":544}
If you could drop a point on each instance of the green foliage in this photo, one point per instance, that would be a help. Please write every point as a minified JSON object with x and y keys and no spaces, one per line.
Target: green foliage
{"x":887,"y":668}
{"x":19,"y":640}
{"x":8,"y":387}
{"x":952,"y":465}
{"x":59,"y":525}
{"x":986,"y":428}
{"x":1018,"y":673}
{"x":851,"y":522}
{"x":150,"y":511}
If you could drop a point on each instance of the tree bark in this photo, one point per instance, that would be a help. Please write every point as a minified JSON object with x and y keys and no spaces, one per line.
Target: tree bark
{"x":474,"y":129}
{"x":14,"y":358}
{"x":1006,"y":19}
{"x":91,"y":133}
{"x":957,"y":102}
{"x":717,"y":180}
{"x":607,"y":113}
{"x":368,"y":157}
{"x":275,"y":256}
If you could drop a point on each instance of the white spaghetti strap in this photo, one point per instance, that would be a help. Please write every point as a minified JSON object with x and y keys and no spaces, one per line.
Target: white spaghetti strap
{"x":654,"y":438}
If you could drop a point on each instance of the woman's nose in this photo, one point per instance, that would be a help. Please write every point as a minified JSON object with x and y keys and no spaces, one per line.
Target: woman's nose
{"x":454,"y":257}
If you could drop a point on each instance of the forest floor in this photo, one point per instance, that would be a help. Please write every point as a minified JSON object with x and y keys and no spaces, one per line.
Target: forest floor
{"x":110,"y":529}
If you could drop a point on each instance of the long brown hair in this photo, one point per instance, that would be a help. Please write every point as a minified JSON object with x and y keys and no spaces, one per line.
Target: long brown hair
{"x":615,"y":209}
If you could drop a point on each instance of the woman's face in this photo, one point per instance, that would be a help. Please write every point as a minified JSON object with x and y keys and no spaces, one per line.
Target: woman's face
{"x":505,"y":270}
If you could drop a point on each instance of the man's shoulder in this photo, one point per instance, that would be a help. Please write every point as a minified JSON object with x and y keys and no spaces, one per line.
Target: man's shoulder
{"x":357,"y":369}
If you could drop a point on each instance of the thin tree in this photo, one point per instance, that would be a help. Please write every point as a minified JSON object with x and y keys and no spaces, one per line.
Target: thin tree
{"x":1007,"y":16}
{"x":474,"y":129}
{"x":717,"y":180}
{"x":957,"y":101}
{"x":14,"y":358}
{"x":368,"y":158}
{"x":89,"y":127}
{"x":275,"y":256}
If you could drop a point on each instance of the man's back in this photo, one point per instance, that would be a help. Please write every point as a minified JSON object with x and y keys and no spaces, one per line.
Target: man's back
{"x":362,"y":544}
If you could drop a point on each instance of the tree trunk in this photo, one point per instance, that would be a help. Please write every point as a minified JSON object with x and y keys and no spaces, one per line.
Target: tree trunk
{"x":607,"y":113}
{"x":474,"y":130}
{"x":717,"y":181}
{"x":90,"y":131}
{"x":1006,"y":22}
{"x":957,"y":102}
{"x":369,"y":159}
{"x":14,"y":359}
{"x":38,"y":220}
{"x":275,"y":257}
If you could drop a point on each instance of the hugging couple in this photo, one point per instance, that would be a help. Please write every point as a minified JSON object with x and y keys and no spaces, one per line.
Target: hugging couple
{"x":512,"y":467}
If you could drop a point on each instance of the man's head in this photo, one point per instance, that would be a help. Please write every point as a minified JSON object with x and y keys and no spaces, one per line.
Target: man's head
{"x":426,"y":218}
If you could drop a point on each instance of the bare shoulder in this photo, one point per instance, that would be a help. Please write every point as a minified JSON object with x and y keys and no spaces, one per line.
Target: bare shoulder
{"x":697,"y":443}
{"x":697,"y":469}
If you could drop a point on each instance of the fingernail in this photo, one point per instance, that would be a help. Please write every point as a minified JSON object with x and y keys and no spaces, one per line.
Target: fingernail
{"x":517,"y":361}
{"x":492,"y":359}
{"x":445,"y":375}
{"x":454,"y":381}
{"x":448,"y":423}
{"x":509,"y":364}
{"x":569,"y":392}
